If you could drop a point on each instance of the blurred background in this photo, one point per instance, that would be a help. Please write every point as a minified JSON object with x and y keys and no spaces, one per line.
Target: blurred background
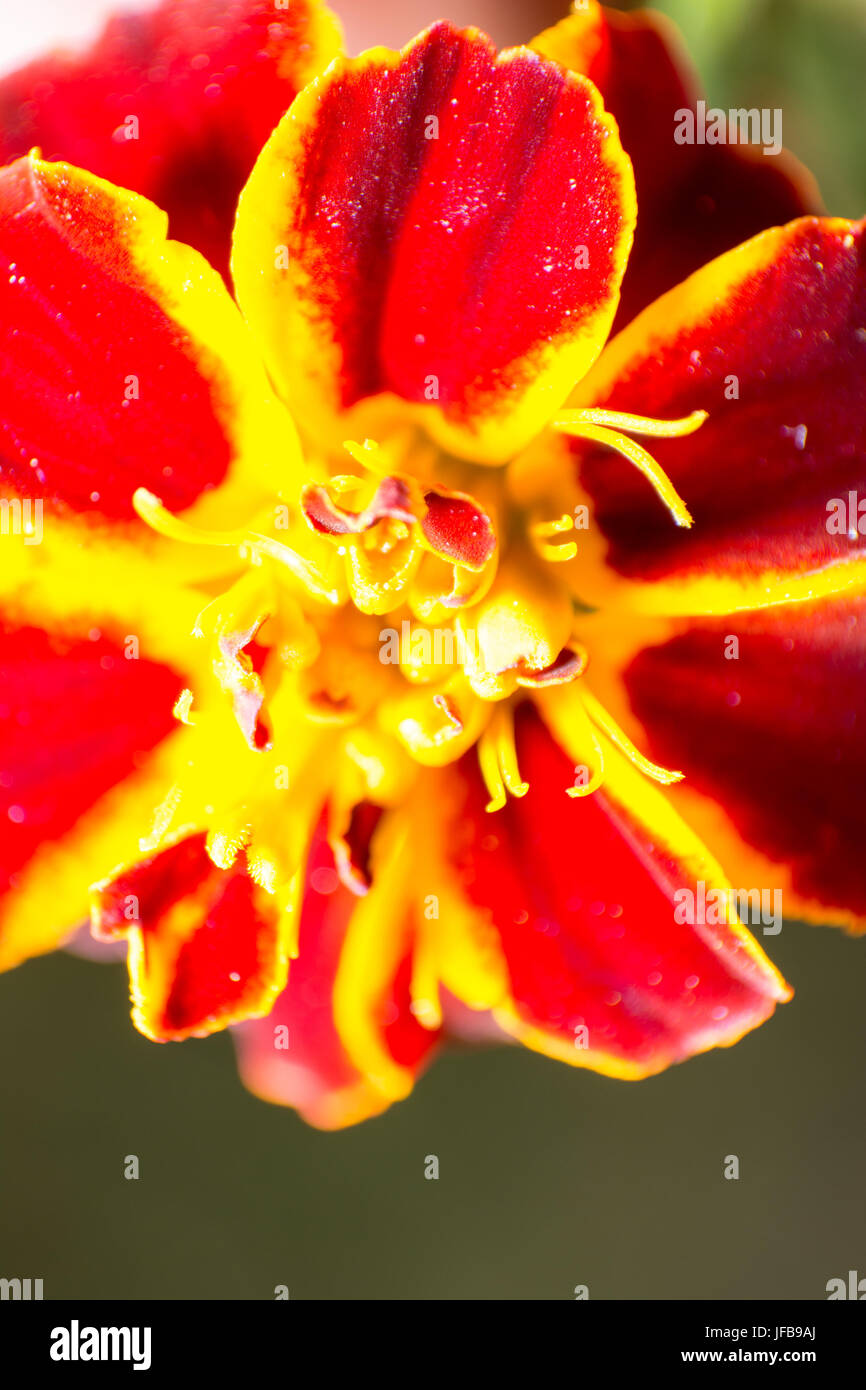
{"x":549,"y":1177}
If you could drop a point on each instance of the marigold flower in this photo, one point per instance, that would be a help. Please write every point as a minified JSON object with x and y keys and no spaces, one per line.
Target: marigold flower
{"x":395,"y":644}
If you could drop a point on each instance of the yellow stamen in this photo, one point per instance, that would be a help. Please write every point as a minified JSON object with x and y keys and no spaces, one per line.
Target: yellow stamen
{"x":579,"y":789}
{"x":223,"y":848}
{"x":263,"y":871}
{"x":556,"y":554}
{"x":545,"y":529}
{"x":596,"y":780}
{"x":369,"y":455}
{"x":182,"y":707}
{"x":599,"y":715}
{"x":503,"y":720}
{"x":542,"y":532}
{"x":385,"y":536}
{"x":161,"y":520}
{"x":403,"y":453}
{"x":162,"y":818}
{"x":488,"y":761}
{"x":594,"y":424}
{"x":345,"y":482}
{"x":639,"y":424}
{"x":497,"y":756}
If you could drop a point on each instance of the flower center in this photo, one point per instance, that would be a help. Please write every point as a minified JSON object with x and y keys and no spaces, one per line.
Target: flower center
{"x":414,"y":606}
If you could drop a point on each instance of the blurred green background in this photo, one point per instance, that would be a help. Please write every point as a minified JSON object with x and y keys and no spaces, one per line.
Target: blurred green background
{"x":549,"y":1177}
{"x":806,"y":56}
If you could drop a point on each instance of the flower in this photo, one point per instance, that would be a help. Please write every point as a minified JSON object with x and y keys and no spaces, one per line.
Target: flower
{"x":375,"y":681}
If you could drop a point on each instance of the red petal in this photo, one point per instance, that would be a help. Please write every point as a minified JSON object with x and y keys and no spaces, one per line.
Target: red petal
{"x":126,"y":364}
{"x":206,"y":81}
{"x":297,"y":1056}
{"x":695,"y":201}
{"x":770,"y":339}
{"x":207,"y":945}
{"x":77,"y":720}
{"x":581,"y":893}
{"x":403,"y":192}
{"x":776,"y":736}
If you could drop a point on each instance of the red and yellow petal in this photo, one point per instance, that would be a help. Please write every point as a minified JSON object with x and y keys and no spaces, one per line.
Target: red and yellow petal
{"x":126,"y":364}
{"x":88,"y":749}
{"x":696,"y":200}
{"x":341,"y":1042}
{"x":387,"y":249}
{"x":582,"y":896}
{"x":207,"y":946}
{"x":770,"y":339}
{"x":174,"y":102}
{"x":97,"y":647}
{"x":763,"y":713}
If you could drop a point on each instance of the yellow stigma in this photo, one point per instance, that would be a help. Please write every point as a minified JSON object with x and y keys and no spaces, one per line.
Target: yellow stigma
{"x":497,"y":757}
{"x":252,"y":544}
{"x":542,"y":534}
{"x":600,"y":717}
{"x":592,"y":713}
{"x":609,"y":426}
